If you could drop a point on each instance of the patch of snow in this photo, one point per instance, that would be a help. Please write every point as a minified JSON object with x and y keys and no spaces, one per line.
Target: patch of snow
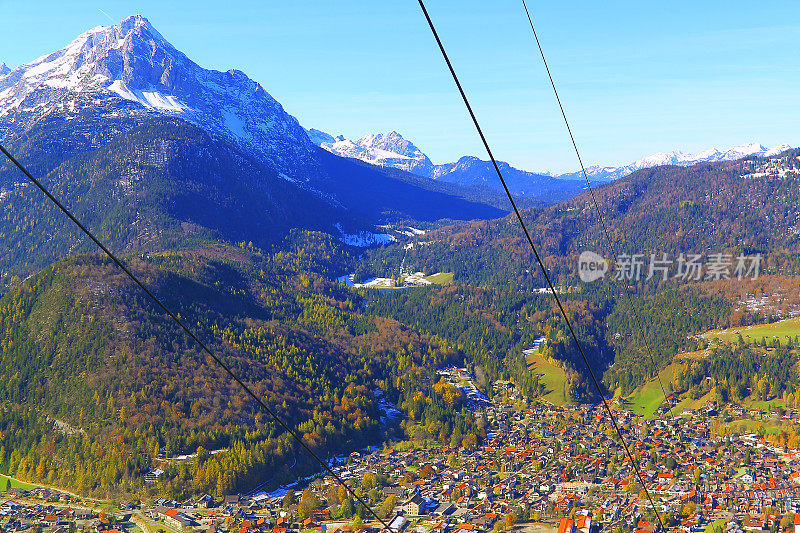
{"x":163,"y":102}
{"x":149,"y":99}
{"x":193,"y":455}
{"x":379,"y":154}
{"x":364,"y":238}
{"x":417,"y":278}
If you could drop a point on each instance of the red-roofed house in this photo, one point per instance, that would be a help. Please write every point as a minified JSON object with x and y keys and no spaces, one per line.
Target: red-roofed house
{"x":567,"y":525}
{"x":583,"y":523}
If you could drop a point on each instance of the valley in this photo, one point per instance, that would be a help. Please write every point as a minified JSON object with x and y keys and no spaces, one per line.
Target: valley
{"x":388,"y":310}
{"x":531,"y":467}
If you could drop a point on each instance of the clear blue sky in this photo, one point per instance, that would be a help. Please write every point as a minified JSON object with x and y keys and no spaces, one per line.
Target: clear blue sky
{"x":635,"y":77}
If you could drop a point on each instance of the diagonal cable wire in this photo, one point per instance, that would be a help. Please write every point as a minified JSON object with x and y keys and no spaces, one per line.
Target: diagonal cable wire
{"x":606,"y":233}
{"x":188,"y":331}
{"x":596,"y":382}
{"x":594,"y":201}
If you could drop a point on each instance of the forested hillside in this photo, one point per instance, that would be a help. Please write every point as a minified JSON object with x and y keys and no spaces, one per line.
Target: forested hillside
{"x":749,"y":206}
{"x":744,"y":207}
{"x":82,"y":345}
{"x":153,"y":186}
{"x":663,"y":323}
{"x":739,"y":372}
{"x":493,"y":326}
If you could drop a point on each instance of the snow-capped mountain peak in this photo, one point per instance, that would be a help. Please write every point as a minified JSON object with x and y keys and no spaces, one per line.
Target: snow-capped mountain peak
{"x":114,"y":85}
{"x":775,"y":150}
{"x":99,"y":55}
{"x":389,"y":150}
{"x":131,"y":69}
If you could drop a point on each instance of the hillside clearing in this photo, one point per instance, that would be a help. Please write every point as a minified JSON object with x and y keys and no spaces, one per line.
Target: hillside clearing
{"x":780,"y":330}
{"x":647,"y":398}
{"x":440,"y":278}
{"x":15,"y":484}
{"x":552,"y":376}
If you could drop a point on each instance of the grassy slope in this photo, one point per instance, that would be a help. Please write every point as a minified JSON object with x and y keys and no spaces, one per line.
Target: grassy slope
{"x":15,"y":484}
{"x":442,"y":278}
{"x":553,"y":377}
{"x":781,"y":329}
{"x":763,"y":405}
{"x":688,"y":403}
{"x":646,"y":399}
{"x":771,"y":427}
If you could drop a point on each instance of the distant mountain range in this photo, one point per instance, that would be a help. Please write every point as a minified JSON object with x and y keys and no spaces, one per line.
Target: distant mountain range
{"x":392,"y":150}
{"x":229,"y":147}
{"x":678,"y":158}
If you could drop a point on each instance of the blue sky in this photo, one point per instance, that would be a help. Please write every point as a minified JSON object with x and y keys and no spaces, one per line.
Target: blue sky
{"x":636,"y":78}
